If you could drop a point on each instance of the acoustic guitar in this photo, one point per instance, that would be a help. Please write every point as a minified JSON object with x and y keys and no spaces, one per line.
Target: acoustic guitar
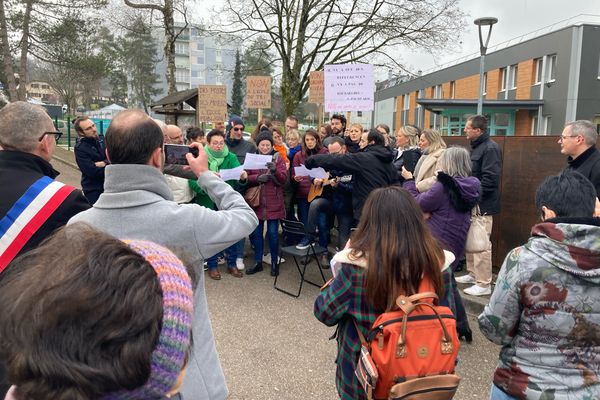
{"x":316,"y":191}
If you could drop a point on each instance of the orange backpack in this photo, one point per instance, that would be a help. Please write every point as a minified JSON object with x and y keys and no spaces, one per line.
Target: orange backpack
{"x":410,"y":353}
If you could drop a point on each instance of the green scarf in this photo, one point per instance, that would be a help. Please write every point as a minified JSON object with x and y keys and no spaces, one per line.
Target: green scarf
{"x":216,"y":158}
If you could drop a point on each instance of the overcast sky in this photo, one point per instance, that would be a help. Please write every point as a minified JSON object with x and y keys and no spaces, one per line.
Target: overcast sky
{"x":515,"y":18}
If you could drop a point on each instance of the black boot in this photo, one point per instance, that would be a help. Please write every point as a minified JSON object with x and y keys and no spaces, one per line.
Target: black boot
{"x":274,"y":270}
{"x":257,"y":268}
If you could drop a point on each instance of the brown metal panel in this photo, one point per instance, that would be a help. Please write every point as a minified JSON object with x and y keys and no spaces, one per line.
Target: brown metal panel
{"x":526,"y":161}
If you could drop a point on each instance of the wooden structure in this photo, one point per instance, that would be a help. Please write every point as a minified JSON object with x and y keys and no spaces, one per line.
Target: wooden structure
{"x":526,"y":162}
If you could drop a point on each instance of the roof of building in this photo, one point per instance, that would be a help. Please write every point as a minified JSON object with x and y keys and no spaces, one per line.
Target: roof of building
{"x":438,"y":105}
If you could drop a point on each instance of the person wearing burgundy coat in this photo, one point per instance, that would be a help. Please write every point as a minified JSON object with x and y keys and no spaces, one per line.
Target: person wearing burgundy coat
{"x":271,"y":207}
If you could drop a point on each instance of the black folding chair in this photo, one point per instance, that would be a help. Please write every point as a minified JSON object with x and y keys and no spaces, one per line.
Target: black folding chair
{"x":311,"y":252}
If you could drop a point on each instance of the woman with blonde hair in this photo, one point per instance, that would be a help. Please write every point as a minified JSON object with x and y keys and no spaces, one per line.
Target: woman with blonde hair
{"x":407,"y":152}
{"x":353,"y":138}
{"x":433,"y":146}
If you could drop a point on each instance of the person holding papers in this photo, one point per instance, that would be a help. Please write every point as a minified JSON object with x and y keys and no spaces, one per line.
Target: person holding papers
{"x":271,"y":179}
{"x":219,"y":157}
{"x":371,"y":167}
{"x":311,"y":145}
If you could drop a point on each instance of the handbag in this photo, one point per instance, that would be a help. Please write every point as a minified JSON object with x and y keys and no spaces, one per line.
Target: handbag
{"x":252,"y":196}
{"x":477,"y":237}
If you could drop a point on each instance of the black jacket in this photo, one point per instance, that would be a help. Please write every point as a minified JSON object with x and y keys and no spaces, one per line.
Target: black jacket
{"x":371,"y":168}
{"x":88,"y":151}
{"x":408,"y":159}
{"x":18,"y":171}
{"x":486,"y":162}
{"x":588,"y":165}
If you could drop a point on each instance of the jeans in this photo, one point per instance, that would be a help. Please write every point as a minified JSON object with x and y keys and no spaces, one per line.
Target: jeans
{"x":231,"y":253}
{"x":303,"y":207}
{"x":317,"y":215}
{"x":257,"y":240}
{"x":497,"y":394}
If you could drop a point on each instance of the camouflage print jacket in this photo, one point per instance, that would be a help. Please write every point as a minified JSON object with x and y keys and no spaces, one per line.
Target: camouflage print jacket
{"x":545,"y":312}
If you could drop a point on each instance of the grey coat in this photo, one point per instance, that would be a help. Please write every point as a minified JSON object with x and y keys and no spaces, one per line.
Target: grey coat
{"x":138,"y":204}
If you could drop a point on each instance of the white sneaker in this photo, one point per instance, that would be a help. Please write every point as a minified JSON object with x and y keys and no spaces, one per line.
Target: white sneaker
{"x":477,"y":290}
{"x":267,"y":259}
{"x":239,"y":263}
{"x":468,"y":278}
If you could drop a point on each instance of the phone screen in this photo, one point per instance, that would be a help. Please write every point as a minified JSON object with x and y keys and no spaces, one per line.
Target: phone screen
{"x":175,"y":153}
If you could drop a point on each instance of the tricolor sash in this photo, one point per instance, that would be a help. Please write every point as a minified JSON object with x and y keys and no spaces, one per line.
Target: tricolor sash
{"x":28,"y":214}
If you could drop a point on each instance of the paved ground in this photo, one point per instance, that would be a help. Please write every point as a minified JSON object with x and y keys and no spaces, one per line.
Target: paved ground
{"x":272,"y":347}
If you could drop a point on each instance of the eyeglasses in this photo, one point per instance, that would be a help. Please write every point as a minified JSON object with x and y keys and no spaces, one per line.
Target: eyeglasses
{"x":57,"y":135}
{"x":562,"y":137}
{"x":237,"y":129}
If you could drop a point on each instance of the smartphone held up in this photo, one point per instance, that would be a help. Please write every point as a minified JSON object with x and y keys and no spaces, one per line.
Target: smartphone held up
{"x":175,"y":153}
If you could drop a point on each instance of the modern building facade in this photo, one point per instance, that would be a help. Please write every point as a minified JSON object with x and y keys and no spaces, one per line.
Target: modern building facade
{"x":532,"y":87}
{"x":199,"y":59}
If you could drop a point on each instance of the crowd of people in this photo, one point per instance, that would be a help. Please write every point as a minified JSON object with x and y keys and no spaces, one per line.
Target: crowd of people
{"x":121,"y":313}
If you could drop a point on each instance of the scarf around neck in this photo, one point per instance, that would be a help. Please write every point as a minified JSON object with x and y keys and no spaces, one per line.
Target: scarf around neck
{"x":216,"y":158}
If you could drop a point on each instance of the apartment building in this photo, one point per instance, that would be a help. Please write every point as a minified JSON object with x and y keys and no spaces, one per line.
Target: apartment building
{"x":199,"y":59}
{"x":42,"y":92}
{"x":533,"y":85}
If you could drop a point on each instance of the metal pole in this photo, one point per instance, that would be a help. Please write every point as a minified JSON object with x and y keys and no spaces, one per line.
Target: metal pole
{"x":481,"y":84}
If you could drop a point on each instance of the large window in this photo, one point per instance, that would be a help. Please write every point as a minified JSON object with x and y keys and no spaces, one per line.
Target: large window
{"x":551,"y":73}
{"x":181,"y":48}
{"x":503,"y":79}
{"x":406,"y":104}
{"x":437,"y":92}
{"x":501,"y":122}
{"x":514,"y":70}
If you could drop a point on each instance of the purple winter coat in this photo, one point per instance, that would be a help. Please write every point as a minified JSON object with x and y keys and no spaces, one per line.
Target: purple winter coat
{"x":449,"y":201}
{"x":303,"y":186}
{"x":271,"y":194}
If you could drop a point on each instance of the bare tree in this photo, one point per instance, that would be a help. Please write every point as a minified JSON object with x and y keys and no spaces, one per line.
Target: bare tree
{"x":167,"y":9}
{"x":307,"y":34}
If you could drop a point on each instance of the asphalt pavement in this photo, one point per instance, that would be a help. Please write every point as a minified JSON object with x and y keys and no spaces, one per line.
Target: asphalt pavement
{"x":272,"y":347}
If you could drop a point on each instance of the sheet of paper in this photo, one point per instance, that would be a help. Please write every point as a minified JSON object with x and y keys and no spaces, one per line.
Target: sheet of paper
{"x":301,"y":171}
{"x":256,"y":161}
{"x":231,"y":174}
{"x":317,"y":173}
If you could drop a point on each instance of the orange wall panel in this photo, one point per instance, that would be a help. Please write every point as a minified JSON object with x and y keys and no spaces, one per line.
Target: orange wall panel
{"x":525,"y":79}
{"x":399,"y":102}
{"x":493,"y":84}
{"x":412,"y":107}
{"x":523,"y":121}
{"x":466,"y":88}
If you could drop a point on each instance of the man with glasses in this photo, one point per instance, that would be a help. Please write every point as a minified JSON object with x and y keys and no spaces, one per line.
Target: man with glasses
{"x":32,"y":203}
{"x":578,"y":142}
{"x":91,"y":158}
{"x":235,"y":140}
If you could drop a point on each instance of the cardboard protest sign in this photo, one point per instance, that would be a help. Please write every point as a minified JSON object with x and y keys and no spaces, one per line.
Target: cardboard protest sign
{"x":317,"y":93}
{"x":258,"y":91}
{"x":212,"y":103}
{"x":349,"y":87}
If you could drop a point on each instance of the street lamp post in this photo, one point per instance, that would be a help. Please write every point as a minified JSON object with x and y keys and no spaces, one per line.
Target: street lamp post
{"x":482,"y":22}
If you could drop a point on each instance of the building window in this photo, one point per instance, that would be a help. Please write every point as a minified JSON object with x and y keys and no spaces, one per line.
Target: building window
{"x":539,"y":70}
{"x":453,"y":89}
{"x":200,"y":60}
{"x":551,"y":68}
{"x":548,"y":125}
{"x":514,"y":70}
{"x":437,"y":92}
{"x":484,"y":83}
{"x":406,"y":104}
{"x":200,"y":45}
{"x":181,"y":76}
{"x":219,"y":55}
{"x":359,"y":114}
{"x":534,"y":125}
{"x":503,"y":79}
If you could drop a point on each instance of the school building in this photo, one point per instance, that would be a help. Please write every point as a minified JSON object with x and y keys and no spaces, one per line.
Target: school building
{"x":534,"y":84}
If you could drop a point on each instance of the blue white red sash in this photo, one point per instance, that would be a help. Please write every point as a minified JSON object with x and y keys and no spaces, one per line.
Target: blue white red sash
{"x":28,"y":214}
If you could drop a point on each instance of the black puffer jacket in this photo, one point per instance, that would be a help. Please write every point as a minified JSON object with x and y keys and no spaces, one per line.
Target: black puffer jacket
{"x":371,"y":168}
{"x":486,"y":163}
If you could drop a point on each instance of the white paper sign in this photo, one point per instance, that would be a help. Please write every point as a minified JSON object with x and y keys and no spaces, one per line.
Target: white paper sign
{"x":256,"y":161}
{"x":318,"y":173}
{"x":231,"y":174}
{"x":349,"y":87}
{"x":301,"y":171}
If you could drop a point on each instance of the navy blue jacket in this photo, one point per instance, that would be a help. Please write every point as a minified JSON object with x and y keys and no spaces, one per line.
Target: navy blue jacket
{"x":88,"y":151}
{"x":486,"y":163}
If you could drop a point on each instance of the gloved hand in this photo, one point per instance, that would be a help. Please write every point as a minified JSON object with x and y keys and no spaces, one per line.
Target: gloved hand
{"x":264,"y":178}
{"x":272,"y":167}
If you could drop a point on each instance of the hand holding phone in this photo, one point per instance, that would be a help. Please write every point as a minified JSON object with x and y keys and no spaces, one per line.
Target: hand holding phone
{"x":197,"y":159}
{"x":175,"y":153}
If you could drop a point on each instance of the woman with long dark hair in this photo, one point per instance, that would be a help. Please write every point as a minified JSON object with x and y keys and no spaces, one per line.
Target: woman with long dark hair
{"x":392,"y":253}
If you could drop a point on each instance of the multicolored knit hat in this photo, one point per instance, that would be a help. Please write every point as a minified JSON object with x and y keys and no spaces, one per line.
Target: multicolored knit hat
{"x":169,"y":355}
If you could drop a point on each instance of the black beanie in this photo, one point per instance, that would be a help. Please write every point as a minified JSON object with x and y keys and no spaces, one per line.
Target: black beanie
{"x":264,"y":136}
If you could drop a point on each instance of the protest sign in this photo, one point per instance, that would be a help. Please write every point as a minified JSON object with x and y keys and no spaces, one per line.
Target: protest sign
{"x":349,"y":87}
{"x":258,"y":91}
{"x":212,"y":103}
{"x":316,"y":94}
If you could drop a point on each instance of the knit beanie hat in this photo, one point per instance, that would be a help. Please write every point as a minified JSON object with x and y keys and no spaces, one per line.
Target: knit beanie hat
{"x":169,"y":355}
{"x":234,"y":120}
{"x":264,"y":136}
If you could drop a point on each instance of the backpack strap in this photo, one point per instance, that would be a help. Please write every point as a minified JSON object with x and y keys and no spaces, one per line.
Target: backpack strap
{"x":363,"y":341}
{"x":28,"y":215}
{"x":407,"y":304}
